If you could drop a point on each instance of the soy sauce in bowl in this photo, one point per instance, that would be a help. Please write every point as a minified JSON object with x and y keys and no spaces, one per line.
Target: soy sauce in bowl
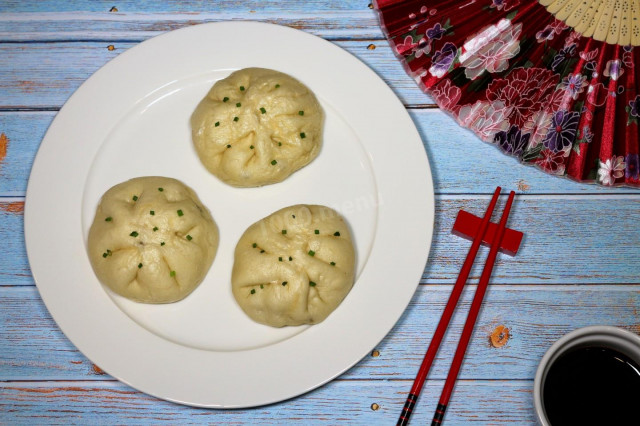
{"x":592,"y":385}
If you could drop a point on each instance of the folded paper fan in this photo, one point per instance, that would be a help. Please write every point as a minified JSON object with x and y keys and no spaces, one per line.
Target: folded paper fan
{"x":552,"y":83}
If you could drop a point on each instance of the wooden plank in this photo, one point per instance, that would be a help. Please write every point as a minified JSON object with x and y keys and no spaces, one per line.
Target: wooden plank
{"x":567,"y":240}
{"x":44,"y":75}
{"x":33,"y":348}
{"x":472,"y":172}
{"x":332,"y":24}
{"x":338,"y":402}
{"x":123,"y":7}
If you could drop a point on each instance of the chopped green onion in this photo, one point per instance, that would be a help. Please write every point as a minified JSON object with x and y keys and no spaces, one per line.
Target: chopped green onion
{"x":235,"y":119}
{"x":133,"y":234}
{"x":284,"y":282}
{"x":274,"y":162}
{"x":312,"y":284}
{"x":162,"y":243}
{"x":290,"y":258}
{"x":253,"y":291}
{"x":333,"y":263}
{"x":302,"y":135}
{"x":312,"y":253}
{"x":238,"y":105}
{"x":104,"y":255}
{"x":277,"y":85}
{"x":139,"y":265}
{"x":261,"y":286}
{"x":172,"y":273}
{"x":254,"y":245}
{"x":261,"y":251}
{"x":228,"y":146}
{"x":284,"y":231}
{"x":300,"y":112}
{"x":280,"y":258}
{"x":152,"y":212}
{"x":108,"y":219}
{"x":160,"y":189}
{"x":217,"y":123}
{"x":336,"y":234}
{"x":251,"y":147}
{"x":242,"y":88}
{"x":189,"y":237}
{"x":317,"y":231}
{"x":155,"y":228}
{"x":225,"y":99}
{"x":135,"y":198}
{"x":279,"y":143}
{"x":262,"y":110}
{"x":180,"y":213}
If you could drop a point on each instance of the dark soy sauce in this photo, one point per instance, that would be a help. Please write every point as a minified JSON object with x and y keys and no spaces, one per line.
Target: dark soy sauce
{"x":592,"y":386}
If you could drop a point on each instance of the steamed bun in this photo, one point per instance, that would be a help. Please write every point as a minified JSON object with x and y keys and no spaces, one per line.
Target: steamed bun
{"x":256,"y":127}
{"x":152,"y":240}
{"x":294,"y":267}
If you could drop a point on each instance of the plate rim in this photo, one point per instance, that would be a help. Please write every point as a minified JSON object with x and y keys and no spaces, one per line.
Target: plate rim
{"x":158,"y":383}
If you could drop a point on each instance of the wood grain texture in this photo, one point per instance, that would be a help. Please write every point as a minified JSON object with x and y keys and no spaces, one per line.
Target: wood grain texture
{"x":339,"y":402}
{"x":33,"y":348}
{"x":558,"y":230}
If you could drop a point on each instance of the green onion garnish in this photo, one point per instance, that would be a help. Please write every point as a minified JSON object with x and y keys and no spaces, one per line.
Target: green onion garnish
{"x":251,"y":147}
{"x":261,"y":251}
{"x":312,"y":284}
{"x":253,"y":291}
{"x":155,"y":228}
{"x":302,"y":135}
{"x":254,"y":245}
{"x":300,"y":112}
{"x":277,"y":85}
{"x":104,"y":255}
{"x":235,"y":119}
{"x":238,"y":105}
{"x":172,"y":273}
{"x":312,"y":253}
{"x":228,"y":146}
{"x":274,"y":162}
{"x":279,"y":143}
{"x":189,"y":237}
{"x":284,"y":282}
{"x":284,"y":231}
{"x":108,"y":219}
{"x":261,"y":286}
{"x":217,"y":123}
{"x":242,"y":88}
{"x":336,"y":234}
{"x":317,"y":231}
{"x":180,"y":213}
{"x":152,"y":212}
{"x":135,"y":198}
{"x":133,"y":234}
{"x":333,"y":263}
{"x":160,"y":189}
{"x":162,"y":243}
{"x":139,"y":265}
{"x":290,"y":258}
{"x":280,"y":258}
{"x":225,"y":99}
{"x":262,"y":110}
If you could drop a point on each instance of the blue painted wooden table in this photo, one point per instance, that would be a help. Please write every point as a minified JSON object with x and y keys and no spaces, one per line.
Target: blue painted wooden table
{"x":578,"y":265}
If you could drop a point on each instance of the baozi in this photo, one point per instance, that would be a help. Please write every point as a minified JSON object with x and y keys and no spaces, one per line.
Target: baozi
{"x":294,"y":267}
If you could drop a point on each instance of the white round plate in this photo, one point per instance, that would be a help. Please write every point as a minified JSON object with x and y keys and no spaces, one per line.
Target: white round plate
{"x":131,"y":118}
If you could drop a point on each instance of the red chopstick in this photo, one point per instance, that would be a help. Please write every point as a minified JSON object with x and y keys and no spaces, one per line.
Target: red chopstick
{"x":472,"y":316}
{"x":430,"y":355}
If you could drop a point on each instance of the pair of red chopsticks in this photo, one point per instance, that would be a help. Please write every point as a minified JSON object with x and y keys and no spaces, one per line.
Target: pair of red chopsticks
{"x":448,"y":312}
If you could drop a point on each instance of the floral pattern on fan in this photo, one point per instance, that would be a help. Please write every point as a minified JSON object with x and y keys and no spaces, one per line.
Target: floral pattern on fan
{"x":526,"y":82}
